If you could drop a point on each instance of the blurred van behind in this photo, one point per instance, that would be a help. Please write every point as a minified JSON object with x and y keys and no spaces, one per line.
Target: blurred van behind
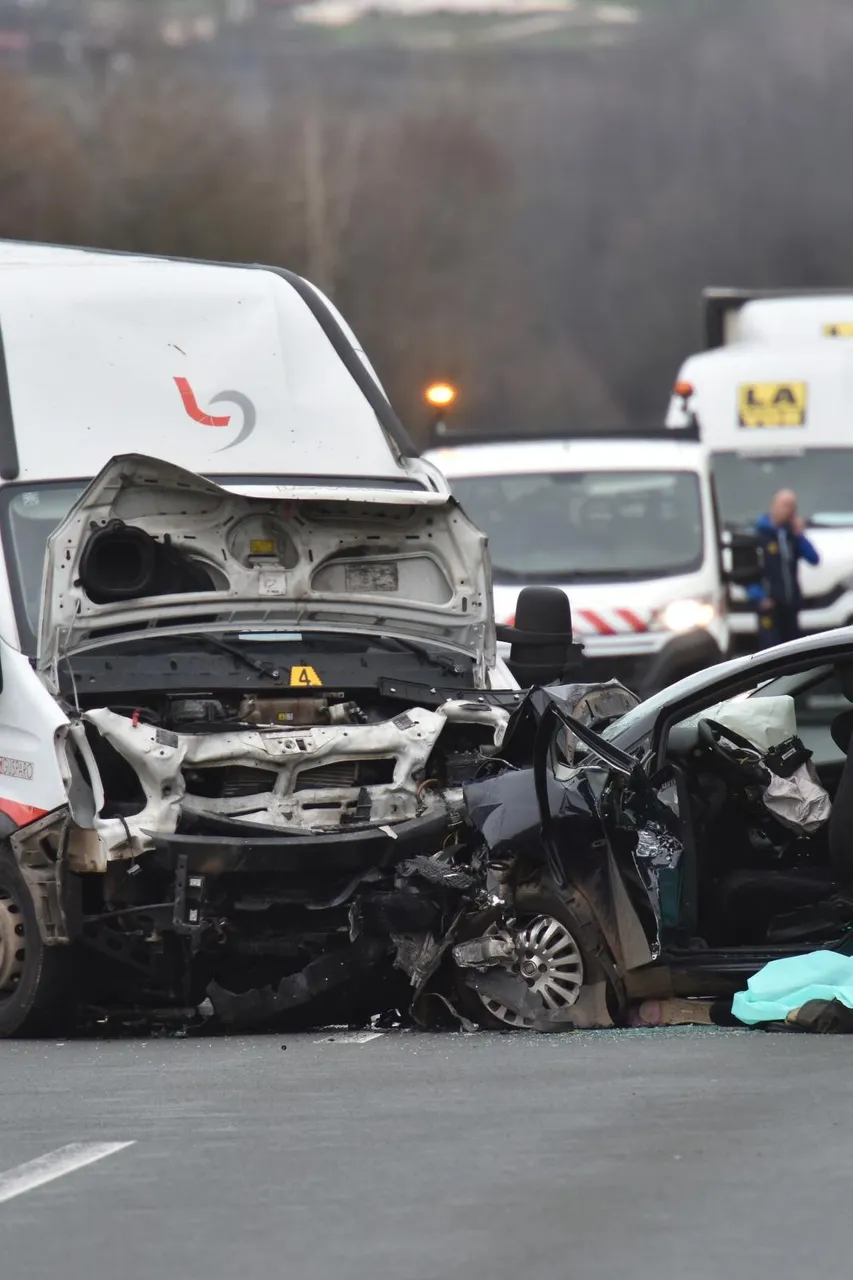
{"x":625,"y":523}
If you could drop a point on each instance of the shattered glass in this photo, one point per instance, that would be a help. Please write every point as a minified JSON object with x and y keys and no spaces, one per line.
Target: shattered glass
{"x":658,"y":847}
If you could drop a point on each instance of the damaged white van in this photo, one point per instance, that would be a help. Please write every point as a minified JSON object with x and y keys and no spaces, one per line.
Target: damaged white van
{"x":243,"y":672}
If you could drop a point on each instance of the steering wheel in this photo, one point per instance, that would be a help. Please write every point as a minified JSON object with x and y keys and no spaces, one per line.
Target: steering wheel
{"x":714,"y":735}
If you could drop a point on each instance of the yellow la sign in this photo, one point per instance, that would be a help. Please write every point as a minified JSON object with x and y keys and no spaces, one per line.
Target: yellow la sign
{"x":772,"y":404}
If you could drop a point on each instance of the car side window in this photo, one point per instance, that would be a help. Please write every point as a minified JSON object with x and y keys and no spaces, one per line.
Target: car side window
{"x":817,"y":707}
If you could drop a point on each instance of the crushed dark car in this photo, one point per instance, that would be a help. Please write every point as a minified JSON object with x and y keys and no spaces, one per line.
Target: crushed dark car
{"x":673,"y":852}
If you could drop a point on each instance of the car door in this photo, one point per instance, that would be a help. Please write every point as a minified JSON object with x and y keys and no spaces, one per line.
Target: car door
{"x":630,"y":871}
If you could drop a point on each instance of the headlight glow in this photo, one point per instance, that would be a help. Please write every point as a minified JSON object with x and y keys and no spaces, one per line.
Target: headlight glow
{"x":687,"y":615}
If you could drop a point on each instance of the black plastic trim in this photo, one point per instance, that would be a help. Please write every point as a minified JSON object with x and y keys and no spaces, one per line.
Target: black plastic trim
{"x":10,"y":467}
{"x":716,"y":308}
{"x":266,"y":850}
{"x":512,"y":635}
{"x":451,"y":439}
{"x":349,"y":483}
{"x":414,"y":694}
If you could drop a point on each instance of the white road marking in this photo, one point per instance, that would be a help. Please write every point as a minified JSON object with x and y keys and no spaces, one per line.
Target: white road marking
{"x":26,"y":1177}
{"x":351,"y":1037}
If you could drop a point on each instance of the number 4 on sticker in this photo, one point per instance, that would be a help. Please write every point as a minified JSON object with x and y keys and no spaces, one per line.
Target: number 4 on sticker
{"x":304,"y":676}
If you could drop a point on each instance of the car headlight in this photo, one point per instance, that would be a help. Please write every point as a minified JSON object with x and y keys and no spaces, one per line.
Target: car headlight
{"x":686,"y":615}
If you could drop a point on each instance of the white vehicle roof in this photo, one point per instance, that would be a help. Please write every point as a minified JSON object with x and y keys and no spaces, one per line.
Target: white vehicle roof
{"x":755,"y":397}
{"x":803,"y":319}
{"x":224,"y":370}
{"x":521,"y":457}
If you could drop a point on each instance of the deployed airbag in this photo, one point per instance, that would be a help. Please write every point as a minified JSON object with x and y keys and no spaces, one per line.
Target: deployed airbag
{"x":796,"y":798}
{"x":766,"y":722}
{"x":794,"y":794}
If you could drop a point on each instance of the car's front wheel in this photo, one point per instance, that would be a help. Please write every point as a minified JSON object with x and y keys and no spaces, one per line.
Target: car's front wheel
{"x":559,"y":972}
{"x":36,"y":981}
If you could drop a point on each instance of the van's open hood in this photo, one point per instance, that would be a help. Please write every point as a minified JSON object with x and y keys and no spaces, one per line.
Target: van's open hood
{"x":208,"y":558}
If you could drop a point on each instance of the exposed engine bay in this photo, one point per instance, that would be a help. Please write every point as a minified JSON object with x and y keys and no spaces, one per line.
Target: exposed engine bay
{"x":296,"y":764}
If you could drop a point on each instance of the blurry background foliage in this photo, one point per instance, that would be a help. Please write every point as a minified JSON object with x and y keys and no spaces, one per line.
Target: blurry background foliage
{"x":525,"y":204}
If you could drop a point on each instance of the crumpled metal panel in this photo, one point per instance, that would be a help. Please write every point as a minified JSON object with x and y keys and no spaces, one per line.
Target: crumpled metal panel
{"x":160,"y":758}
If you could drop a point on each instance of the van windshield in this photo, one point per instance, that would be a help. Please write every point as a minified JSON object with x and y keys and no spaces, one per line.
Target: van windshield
{"x":821,"y":478}
{"x":600,"y":526}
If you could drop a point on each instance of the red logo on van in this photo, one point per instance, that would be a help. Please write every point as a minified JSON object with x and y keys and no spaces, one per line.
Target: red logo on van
{"x":195,"y":411}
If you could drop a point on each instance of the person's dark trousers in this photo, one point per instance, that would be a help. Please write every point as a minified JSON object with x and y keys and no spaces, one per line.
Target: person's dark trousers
{"x":777,"y":625}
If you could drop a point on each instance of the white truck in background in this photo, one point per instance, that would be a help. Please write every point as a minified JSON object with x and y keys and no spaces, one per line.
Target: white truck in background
{"x":771,"y":399}
{"x":775,"y":315}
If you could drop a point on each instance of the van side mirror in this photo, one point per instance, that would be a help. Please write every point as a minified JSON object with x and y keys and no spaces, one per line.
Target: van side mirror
{"x":743,"y":557}
{"x":542,"y":648}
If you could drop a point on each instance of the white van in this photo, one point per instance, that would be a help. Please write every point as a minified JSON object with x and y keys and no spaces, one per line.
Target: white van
{"x":777,"y":415}
{"x":247,"y":641}
{"x":625,"y":524}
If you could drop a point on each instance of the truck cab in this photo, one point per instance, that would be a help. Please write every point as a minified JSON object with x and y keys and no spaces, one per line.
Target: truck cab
{"x":772,"y":409}
{"x":625,"y":523}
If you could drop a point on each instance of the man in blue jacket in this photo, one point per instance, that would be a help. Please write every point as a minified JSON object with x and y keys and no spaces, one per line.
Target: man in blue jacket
{"x":777,"y":597}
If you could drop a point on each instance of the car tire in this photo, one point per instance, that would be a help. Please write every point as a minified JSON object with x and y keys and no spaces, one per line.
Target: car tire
{"x":599,"y":1000}
{"x":36,"y":982}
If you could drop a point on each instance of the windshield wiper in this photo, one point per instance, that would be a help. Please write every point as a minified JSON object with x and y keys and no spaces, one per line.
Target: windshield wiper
{"x":271,"y":673}
{"x":420,"y":651}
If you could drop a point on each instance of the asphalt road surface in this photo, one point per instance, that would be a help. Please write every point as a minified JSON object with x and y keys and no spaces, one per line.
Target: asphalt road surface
{"x":688,"y":1153}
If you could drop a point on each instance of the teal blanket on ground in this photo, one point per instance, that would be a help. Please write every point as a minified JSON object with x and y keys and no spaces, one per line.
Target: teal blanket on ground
{"x":787,"y":984}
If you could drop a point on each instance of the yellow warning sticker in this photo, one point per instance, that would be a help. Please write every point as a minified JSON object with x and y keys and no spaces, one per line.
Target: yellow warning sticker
{"x":842,"y":330}
{"x":772,"y":404}
{"x":304,"y":676}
